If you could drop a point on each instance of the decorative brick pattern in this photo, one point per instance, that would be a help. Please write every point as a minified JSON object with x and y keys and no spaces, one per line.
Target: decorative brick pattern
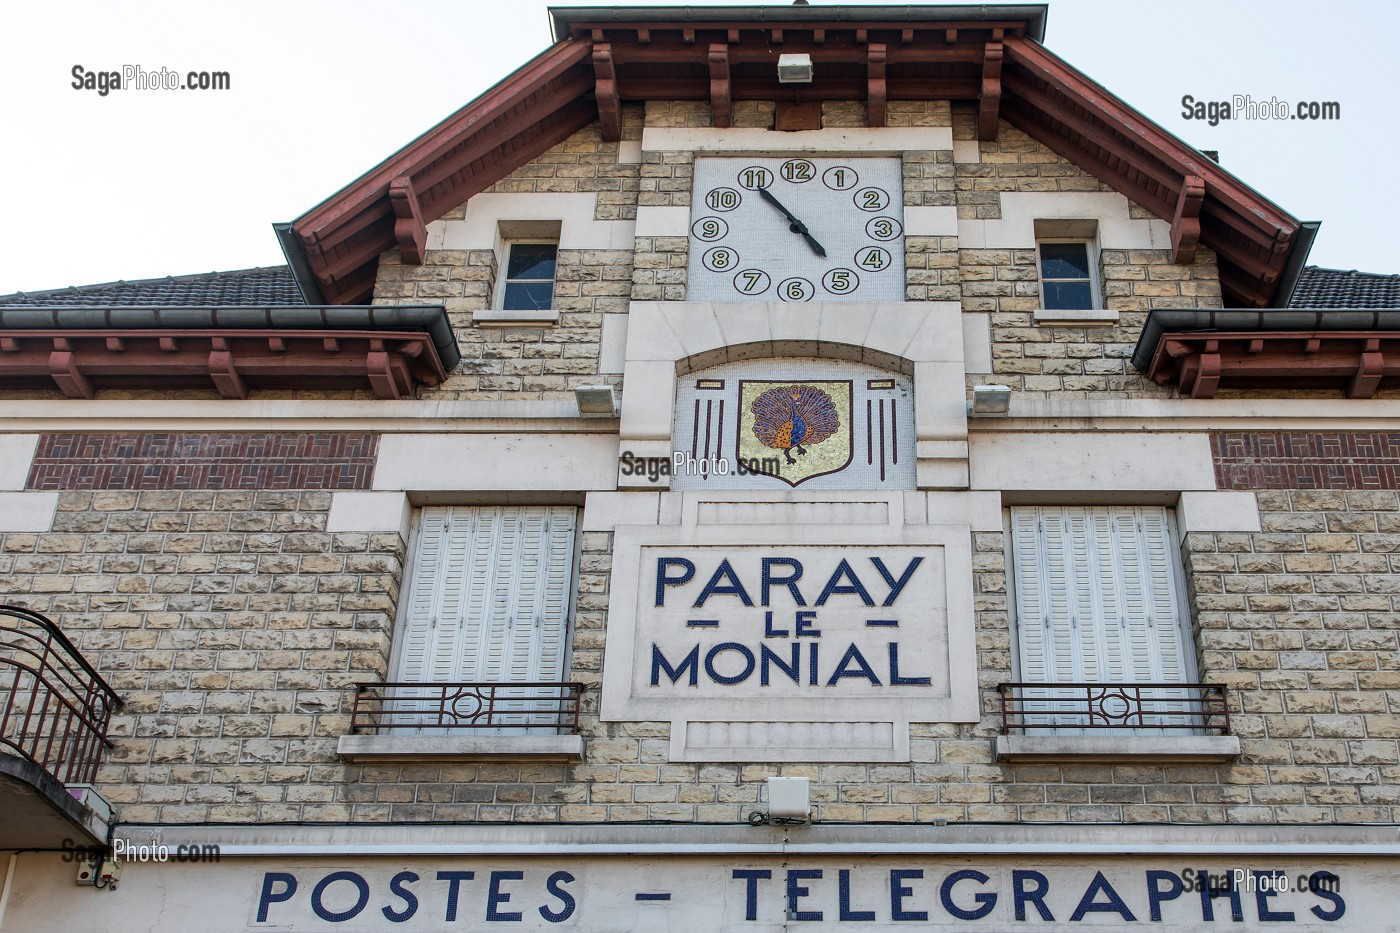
{"x":1301,"y":460}
{"x":204,"y":461}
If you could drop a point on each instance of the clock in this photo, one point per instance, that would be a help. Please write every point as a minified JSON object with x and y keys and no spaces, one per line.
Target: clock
{"x":797,"y":229}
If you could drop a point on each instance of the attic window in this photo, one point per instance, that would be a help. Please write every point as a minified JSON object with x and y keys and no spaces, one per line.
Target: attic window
{"x":527,"y":255}
{"x":1066,"y":282}
{"x":529,"y":279}
{"x":1067,"y":263}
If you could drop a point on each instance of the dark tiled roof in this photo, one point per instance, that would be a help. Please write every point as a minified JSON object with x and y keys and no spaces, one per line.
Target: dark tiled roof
{"x":268,"y":285}
{"x":1337,"y":288}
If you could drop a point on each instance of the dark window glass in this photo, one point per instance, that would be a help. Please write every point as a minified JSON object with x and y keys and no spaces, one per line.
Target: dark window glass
{"x":1067,"y":296}
{"x":531,"y":261}
{"x":1064,"y":261}
{"x":528,"y":296}
{"x":530,"y":277}
{"x":1064,"y":277}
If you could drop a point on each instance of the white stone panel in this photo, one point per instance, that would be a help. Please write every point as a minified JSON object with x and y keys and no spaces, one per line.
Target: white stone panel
{"x":979,"y":510}
{"x":1082,"y":317}
{"x":658,"y":220}
{"x":792,"y":741}
{"x":931,"y":221}
{"x":369,"y":511}
{"x":977,"y":342}
{"x":967,"y":151}
{"x":488,"y":462}
{"x":872,"y":141}
{"x":578,"y":230}
{"x":16,"y":457}
{"x":1091,"y":461}
{"x":1021,"y":209}
{"x":27,"y":511}
{"x":604,"y":511}
{"x":796,"y":513}
{"x":612,"y":349}
{"x":1217,"y":511}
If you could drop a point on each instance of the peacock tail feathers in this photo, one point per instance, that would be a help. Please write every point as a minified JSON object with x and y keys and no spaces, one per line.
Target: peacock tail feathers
{"x":793,"y":415}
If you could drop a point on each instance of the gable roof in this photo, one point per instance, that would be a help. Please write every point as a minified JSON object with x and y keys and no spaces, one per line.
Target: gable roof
{"x":605,"y":57}
{"x":263,"y":286}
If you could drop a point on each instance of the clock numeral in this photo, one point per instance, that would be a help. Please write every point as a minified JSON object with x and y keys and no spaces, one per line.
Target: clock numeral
{"x":710,"y":228}
{"x":840,"y":178}
{"x":796,"y":289}
{"x":798,"y":170}
{"x":723,"y":199}
{"x":720,"y":259}
{"x":883,"y":228}
{"x":873,"y":258}
{"x":752,"y":282}
{"x":872,"y":199}
{"x":755,"y":177}
{"x":840,"y":281}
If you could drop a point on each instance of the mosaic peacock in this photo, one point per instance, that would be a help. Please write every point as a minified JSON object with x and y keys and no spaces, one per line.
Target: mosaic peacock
{"x":787,"y":417}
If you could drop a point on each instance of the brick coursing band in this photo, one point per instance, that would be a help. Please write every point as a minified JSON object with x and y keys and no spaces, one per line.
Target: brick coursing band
{"x":261,"y":461}
{"x":1305,"y":460}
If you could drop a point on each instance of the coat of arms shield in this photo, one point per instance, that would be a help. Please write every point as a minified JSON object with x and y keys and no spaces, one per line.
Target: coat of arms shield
{"x":794,"y":430}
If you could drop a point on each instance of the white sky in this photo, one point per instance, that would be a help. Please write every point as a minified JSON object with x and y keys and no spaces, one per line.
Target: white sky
{"x":140,"y":184}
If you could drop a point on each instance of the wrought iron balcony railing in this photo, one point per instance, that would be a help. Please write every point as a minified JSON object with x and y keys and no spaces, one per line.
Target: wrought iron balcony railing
{"x":1199,"y":708}
{"x":410,"y":706}
{"x":54,"y":706}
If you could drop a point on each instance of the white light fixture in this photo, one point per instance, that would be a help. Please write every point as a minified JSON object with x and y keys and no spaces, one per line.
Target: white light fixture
{"x":597,"y":401}
{"x":789,"y":798}
{"x":795,"y":69}
{"x":991,"y":400}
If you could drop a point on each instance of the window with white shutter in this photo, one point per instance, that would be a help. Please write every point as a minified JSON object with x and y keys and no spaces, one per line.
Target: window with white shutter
{"x":488,"y":601}
{"x":1097,"y":600}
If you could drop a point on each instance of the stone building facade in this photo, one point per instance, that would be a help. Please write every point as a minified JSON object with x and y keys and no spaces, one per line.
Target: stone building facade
{"x":1118,"y":607}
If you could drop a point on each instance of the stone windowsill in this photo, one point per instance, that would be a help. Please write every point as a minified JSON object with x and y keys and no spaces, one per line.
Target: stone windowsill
{"x":458,"y":747}
{"x":1093,"y":748}
{"x":1086,"y":317}
{"x":495,"y":317}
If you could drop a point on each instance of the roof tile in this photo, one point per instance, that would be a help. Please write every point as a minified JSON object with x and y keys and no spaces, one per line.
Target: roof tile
{"x":1337,"y":288}
{"x":264,"y":286}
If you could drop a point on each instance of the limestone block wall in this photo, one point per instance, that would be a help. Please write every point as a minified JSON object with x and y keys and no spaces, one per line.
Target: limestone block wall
{"x":234,"y":624}
{"x":231,"y":624}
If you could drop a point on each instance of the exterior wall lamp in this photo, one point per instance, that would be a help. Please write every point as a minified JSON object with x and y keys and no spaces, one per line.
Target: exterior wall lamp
{"x":990,"y":400}
{"x":596,"y":401}
{"x":795,"y":69}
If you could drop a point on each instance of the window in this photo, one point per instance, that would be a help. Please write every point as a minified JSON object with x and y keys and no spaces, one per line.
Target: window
{"x":1098,"y":601}
{"x":1067,"y":280}
{"x":487,"y":602}
{"x":528,"y":284}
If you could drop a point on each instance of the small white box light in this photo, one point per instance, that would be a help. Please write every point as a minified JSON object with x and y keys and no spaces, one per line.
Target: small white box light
{"x":991,"y":400}
{"x":795,"y":69}
{"x":789,"y":798}
{"x":596,"y":400}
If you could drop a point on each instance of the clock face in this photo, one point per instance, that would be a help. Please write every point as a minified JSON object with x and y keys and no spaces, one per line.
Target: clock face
{"x":797,"y":229}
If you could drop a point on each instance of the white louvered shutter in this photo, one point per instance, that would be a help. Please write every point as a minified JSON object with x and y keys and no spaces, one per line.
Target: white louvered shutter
{"x":1097,"y":601}
{"x":490,"y":599}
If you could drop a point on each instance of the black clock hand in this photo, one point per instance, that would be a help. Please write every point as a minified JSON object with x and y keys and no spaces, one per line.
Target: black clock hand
{"x":795,"y":225}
